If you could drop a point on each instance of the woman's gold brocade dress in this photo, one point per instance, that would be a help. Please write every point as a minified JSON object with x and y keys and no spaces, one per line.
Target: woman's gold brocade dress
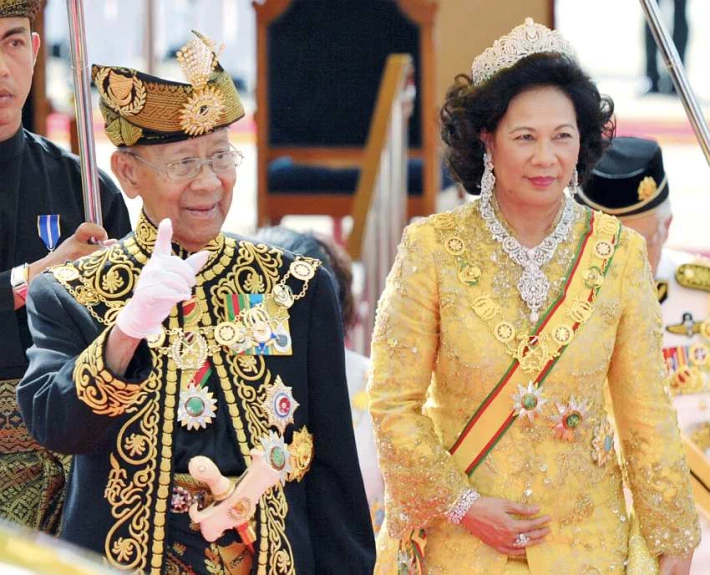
{"x":433,"y":363}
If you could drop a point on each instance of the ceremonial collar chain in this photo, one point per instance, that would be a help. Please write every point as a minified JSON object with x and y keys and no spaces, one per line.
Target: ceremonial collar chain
{"x":259,"y":325}
{"x":533,"y":285}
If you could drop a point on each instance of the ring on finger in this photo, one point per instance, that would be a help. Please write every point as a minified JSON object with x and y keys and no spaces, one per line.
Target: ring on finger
{"x":521,"y":540}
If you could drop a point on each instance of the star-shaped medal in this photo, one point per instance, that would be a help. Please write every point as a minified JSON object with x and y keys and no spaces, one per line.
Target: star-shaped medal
{"x":197,"y":407}
{"x":280,"y":405}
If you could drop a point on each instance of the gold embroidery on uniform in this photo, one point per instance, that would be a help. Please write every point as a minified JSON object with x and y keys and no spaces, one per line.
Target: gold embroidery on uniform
{"x":253,"y":260}
{"x":98,"y":389}
{"x":242,"y":373}
{"x":140,"y":498}
{"x":101,"y":282}
{"x":165,"y":466}
{"x":122,"y":90}
{"x":131,"y":495}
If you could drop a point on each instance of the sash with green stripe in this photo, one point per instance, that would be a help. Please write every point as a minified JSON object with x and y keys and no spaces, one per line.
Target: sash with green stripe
{"x":495,"y":415}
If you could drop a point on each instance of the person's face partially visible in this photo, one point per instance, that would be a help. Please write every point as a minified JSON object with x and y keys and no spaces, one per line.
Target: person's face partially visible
{"x":654,"y":231}
{"x":18,"y":51}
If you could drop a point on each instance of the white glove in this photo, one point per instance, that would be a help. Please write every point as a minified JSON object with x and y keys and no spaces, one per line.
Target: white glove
{"x":165,"y":281}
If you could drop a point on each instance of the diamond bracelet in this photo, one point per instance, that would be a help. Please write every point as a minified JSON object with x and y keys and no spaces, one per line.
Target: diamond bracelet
{"x":462,"y":505}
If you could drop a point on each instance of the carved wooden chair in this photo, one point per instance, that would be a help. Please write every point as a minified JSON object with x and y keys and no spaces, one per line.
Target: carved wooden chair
{"x":319,"y":64}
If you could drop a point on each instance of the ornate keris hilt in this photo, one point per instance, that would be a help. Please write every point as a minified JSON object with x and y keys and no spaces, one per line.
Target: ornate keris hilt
{"x":235,"y":502}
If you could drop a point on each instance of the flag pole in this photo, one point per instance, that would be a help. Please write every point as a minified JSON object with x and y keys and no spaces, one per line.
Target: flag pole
{"x":82,"y":104}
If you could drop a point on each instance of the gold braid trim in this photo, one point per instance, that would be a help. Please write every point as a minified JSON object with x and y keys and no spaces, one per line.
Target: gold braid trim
{"x":130,"y":490}
{"x":256,"y":271}
{"x":103,"y":393}
{"x":103,"y":282}
{"x":166,"y":456}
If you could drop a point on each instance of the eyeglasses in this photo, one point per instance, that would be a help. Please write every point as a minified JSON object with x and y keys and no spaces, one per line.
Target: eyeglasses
{"x":189,"y":168}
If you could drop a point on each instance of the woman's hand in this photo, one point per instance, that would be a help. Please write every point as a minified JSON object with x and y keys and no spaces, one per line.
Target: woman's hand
{"x":675,"y":565}
{"x":493,"y":522}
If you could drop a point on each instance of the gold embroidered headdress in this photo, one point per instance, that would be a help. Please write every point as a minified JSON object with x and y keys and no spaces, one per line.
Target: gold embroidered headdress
{"x":142,"y":109}
{"x":19,"y":8}
{"x":522,"y":41}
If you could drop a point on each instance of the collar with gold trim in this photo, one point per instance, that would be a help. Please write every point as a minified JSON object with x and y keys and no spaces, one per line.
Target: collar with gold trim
{"x":146,"y":233}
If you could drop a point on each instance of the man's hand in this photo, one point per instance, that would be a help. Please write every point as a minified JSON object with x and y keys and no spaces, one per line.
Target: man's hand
{"x":165,"y":281}
{"x":76,"y":246}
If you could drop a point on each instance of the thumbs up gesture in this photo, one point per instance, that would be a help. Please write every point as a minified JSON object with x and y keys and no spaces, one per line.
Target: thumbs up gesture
{"x":165,"y":281}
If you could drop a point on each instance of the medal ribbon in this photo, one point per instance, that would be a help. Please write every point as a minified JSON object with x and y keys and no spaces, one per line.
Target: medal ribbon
{"x":49,"y":230}
{"x":202,"y":375}
{"x":238,"y":303}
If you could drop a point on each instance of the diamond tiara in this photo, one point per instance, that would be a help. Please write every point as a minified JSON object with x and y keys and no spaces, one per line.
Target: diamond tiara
{"x":522,"y":41}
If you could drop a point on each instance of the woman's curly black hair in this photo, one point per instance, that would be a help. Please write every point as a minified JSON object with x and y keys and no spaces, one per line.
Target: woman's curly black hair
{"x":470,"y":110}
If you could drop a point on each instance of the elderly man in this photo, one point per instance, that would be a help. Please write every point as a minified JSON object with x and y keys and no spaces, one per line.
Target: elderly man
{"x":630,"y":182}
{"x":182,"y":341}
{"x":41,"y":213}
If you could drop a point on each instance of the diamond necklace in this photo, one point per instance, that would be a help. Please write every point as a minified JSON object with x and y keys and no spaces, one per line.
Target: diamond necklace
{"x":533,"y":285}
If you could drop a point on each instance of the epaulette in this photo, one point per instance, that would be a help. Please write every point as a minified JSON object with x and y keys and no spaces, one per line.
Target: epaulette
{"x":694,"y":276}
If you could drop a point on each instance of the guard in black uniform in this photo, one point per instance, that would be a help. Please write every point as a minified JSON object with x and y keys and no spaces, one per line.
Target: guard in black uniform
{"x":41,"y":214}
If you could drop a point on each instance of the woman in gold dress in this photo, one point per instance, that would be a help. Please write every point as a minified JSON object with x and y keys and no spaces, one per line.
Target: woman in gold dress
{"x":500,"y":325}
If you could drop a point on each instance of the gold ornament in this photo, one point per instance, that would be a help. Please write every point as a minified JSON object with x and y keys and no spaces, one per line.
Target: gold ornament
{"x":532,"y":353}
{"x":283,"y":296}
{"x":469,"y":274}
{"x":563,"y":334}
{"x":581,"y":311}
{"x":202,"y":111}
{"x":189,"y":350}
{"x":65,"y":273}
{"x":198,"y":59}
{"x":205,"y":105}
{"x":485,"y":307}
{"x":302,"y":270}
{"x":593,"y":277}
{"x":603,"y":249}
{"x":301,"y":450}
{"x":226,"y":333}
{"x":647,"y":188}
{"x":454,"y":246}
{"x":504,"y":331}
{"x":125,"y":94}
